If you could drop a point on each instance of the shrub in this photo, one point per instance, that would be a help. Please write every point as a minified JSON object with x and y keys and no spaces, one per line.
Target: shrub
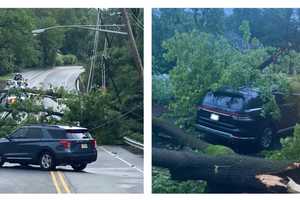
{"x":162,"y":183}
{"x":69,"y":59}
{"x":290,"y":147}
{"x":59,"y":60}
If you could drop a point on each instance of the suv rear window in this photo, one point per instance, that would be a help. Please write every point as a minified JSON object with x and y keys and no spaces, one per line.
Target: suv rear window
{"x":69,"y":134}
{"x":78,"y":134}
{"x":224,"y":101}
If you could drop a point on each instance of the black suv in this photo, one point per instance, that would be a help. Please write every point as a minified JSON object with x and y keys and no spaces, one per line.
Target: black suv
{"x":49,"y":146}
{"x":236,"y":116}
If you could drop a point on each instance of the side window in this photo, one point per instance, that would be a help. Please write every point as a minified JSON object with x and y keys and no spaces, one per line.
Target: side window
{"x":57,"y":134}
{"x":20,"y":133}
{"x":34,"y":133}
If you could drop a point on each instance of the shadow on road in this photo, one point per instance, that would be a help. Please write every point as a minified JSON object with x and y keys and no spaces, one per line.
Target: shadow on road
{"x":37,"y":168}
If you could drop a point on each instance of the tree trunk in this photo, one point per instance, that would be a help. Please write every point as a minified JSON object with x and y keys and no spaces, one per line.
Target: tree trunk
{"x":160,"y":125}
{"x":232,"y":173}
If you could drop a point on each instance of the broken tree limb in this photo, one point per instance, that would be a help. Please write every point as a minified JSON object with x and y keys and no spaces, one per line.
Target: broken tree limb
{"x":47,"y":111}
{"x":45,"y":93}
{"x":161,"y":125}
{"x":234,"y":173}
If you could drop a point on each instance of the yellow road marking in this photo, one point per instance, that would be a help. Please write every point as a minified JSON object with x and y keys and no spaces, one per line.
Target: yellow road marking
{"x":55,"y":182}
{"x":59,"y":182}
{"x":65,"y":185}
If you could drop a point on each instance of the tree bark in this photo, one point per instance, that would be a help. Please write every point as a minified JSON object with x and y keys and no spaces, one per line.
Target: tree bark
{"x":160,"y":125}
{"x":232,"y":173}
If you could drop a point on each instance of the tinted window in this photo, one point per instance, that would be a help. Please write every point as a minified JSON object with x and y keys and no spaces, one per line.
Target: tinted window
{"x":20,"y":133}
{"x":57,"y":133}
{"x":76,"y":134}
{"x":34,"y":133}
{"x":224,"y":101}
{"x":254,"y":103}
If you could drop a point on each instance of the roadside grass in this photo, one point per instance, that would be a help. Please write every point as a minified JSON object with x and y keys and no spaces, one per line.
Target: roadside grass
{"x":6,"y":77}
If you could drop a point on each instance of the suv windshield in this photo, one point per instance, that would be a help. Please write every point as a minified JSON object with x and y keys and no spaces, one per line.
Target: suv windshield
{"x":224,"y":101}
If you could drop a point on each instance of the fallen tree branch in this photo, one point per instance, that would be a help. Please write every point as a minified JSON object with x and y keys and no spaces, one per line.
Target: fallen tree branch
{"x":48,"y":111}
{"x":234,"y":173}
{"x":46,"y":93}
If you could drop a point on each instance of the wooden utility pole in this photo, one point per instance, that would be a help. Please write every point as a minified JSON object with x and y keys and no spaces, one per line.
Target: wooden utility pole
{"x":133,"y":47}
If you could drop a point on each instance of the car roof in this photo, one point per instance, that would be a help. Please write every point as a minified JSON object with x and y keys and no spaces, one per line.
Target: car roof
{"x":247,"y":92}
{"x":56,"y":126}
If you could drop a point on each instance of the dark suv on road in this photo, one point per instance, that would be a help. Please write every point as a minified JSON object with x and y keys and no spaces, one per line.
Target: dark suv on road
{"x":49,"y":146}
{"x":236,"y":115}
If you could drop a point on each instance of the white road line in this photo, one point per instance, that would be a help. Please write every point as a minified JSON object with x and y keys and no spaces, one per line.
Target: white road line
{"x":121,"y":159}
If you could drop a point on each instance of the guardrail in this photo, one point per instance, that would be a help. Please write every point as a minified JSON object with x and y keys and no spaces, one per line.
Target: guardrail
{"x":133,"y":143}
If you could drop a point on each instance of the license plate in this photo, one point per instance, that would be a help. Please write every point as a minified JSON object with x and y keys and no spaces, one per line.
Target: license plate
{"x":84,"y":146}
{"x":214,"y":117}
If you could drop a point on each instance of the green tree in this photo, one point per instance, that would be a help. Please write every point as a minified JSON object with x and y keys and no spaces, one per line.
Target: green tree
{"x":51,"y":41}
{"x":18,"y":47}
{"x":207,"y":62}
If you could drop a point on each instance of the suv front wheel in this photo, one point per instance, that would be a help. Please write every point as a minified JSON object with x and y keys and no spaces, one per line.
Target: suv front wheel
{"x":47,"y":161}
{"x":79,"y":167}
{"x":265,"y":140}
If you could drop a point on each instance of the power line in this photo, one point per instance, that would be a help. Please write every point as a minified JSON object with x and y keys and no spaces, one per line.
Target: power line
{"x":137,"y":21}
{"x":115,"y":119}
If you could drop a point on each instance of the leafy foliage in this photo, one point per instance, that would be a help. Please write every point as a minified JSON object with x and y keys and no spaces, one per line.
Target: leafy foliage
{"x":163,"y":184}
{"x":93,"y":111}
{"x":207,"y":62}
{"x":290,"y":147}
{"x":161,"y":89}
{"x":109,"y":113}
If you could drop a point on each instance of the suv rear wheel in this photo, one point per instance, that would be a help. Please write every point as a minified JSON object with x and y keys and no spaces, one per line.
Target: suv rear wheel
{"x":79,"y":167}
{"x":265,"y":141}
{"x":1,"y":161}
{"x":47,"y":161}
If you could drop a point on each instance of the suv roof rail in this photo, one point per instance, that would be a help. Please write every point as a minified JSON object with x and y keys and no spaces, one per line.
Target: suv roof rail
{"x":42,"y":124}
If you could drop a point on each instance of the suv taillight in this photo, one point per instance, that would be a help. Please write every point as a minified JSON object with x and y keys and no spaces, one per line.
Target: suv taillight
{"x":94,"y":143}
{"x":66,"y":144}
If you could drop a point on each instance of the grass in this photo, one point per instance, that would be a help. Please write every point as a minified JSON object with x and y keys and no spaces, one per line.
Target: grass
{"x":6,"y":77}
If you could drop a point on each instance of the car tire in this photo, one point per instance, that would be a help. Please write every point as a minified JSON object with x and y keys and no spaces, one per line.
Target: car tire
{"x":47,"y":161}
{"x":1,"y":161}
{"x":79,"y":167}
{"x":24,"y":164}
{"x":266,"y":138}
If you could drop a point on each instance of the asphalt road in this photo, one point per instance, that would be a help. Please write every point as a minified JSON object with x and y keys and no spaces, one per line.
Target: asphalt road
{"x":53,"y":77}
{"x":115,"y":171}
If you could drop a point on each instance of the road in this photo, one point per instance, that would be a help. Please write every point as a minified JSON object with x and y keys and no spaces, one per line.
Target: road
{"x":53,"y":77}
{"x":115,"y":171}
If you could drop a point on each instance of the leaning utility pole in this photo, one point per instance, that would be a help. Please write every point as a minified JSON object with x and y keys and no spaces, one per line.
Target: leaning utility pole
{"x":94,"y":56}
{"x":135,"y":52}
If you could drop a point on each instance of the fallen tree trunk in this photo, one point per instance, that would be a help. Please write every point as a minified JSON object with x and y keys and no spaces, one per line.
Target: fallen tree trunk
{"x":160,"y":125}
{"x":234,"y":173}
